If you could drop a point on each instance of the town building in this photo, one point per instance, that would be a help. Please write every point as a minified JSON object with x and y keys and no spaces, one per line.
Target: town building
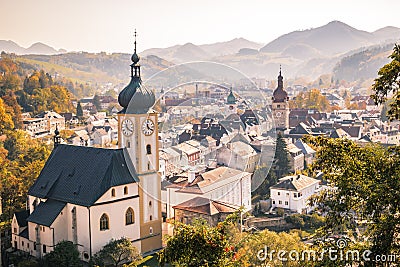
{"x":92,"y":195}
{"x":280,"y":106}
{"x":292,"y":193}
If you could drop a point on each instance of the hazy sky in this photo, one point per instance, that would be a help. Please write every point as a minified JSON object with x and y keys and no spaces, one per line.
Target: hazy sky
{"x":105,"y":25}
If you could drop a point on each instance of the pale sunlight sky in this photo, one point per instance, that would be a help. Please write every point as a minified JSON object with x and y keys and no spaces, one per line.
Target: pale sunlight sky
{"x":105,"y":25}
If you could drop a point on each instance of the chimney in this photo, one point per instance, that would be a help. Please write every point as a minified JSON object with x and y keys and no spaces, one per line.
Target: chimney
{"x":191,"y":176}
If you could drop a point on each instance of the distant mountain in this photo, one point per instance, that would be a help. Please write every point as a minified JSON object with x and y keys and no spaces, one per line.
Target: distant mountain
{"x":363,"y":64}
{"x":40,"y":49}
{"x":11,"y":47}
{"x":333,"y":38}
{"x":192,"y":52}
{"x":229,"y":47}
{"x":36,"y":48}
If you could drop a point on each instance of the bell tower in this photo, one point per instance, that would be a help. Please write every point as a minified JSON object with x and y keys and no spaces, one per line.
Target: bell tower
{"x":231,"y":105}
{"x":280,"y":105}
{"x":138,"y":133}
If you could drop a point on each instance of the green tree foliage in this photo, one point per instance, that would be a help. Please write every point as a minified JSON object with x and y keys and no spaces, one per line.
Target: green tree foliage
{"x":65,"y":254}
{"x":387,"y":85}
{"x":117,"y":252}
{"x":281,"y":162}
{"x":197,"y":245}
{"x":366,"y":182}
{"x":311,"y":99}
{"x":79,"y":110}
{"x":28,"y":263}
{"x":97,"y":102}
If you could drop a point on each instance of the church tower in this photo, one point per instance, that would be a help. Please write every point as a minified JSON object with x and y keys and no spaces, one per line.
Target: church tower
{"x":280,"y":106}
{"x":231,"y":106}
{"x":138,"y":133}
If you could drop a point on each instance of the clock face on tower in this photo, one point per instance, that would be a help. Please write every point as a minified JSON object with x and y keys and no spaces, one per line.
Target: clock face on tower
{"x":127,"y":127}
{"x":278,"y":114}
{"x":148,"y":127}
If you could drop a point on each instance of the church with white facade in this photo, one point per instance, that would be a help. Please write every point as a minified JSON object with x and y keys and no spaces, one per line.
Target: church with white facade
{"x":92,"y":195}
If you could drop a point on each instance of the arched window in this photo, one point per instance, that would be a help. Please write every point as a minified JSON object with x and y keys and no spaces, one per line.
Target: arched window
{"x":151,"y":217}
{"x":104,"y":222}
{"x":125,"y":190}
{"x":148,"y":149}
{"x":129,"y":216}
{"x":150,"y":203}
{"x":113,"y":192}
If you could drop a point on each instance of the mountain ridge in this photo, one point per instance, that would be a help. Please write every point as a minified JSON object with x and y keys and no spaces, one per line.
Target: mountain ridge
{"x":39,"y":48}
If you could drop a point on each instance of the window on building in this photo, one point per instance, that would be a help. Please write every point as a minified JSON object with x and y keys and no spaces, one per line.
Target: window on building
{"x":287,"y":194}
{"x":286,"y":203}
{"x":113,"y":192}
{"x":125,"y":190}
{"x":151,"y":230}
{"x":129,"y":216}
{"x":280,"y":201}
{"x":15,"y":230}
{"x":104,"y":222}
{"x":295,"y":194}
{"x":273,"y":201}
{"x":151,"y":217}
{"x":150,"y":204}
{"x":22,"y":243}
{"x":148,"y":149}
{"x":148,"y":165}
{"x":34,"y":245}
{"x":44,"y":249}
{"x":27,"y":245}
{"x":279,"y":193}
{"x":128,"y":144}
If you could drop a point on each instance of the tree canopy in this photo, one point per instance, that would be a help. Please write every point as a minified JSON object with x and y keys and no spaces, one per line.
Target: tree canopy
{"x":311,"y":99}
{"x":65,"y":254}
{"x":117,"y":252}
{"x":364,"y":185}
{"x":386,"y":86}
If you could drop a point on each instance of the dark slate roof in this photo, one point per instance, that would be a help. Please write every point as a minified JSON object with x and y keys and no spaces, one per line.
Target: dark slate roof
{"x":21,"y":217}
{"x":46,"y":212}
{"x":81,"y":175}
{"x":25,"y":233}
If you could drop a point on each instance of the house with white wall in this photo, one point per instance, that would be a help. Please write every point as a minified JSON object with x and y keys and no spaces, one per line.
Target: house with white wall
{"x":221,"y":184}
{"x":292,"y":193}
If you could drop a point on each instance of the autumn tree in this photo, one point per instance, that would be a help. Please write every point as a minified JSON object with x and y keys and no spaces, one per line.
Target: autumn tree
{"x":386,"y":86}
{"x":21,"y":160}
{"x":311,"y":99}
{"x":117,"y":252}
{"x":6,"y":121}
{"x":364,"y":185}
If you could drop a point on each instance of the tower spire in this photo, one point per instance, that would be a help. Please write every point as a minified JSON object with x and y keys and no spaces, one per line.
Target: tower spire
{"x":135,"y":41}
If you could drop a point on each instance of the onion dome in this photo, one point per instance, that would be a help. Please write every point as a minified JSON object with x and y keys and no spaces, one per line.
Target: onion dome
{"x":280,"y":95}
{"x":135,"y":98}
{"x":231,"y":99}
